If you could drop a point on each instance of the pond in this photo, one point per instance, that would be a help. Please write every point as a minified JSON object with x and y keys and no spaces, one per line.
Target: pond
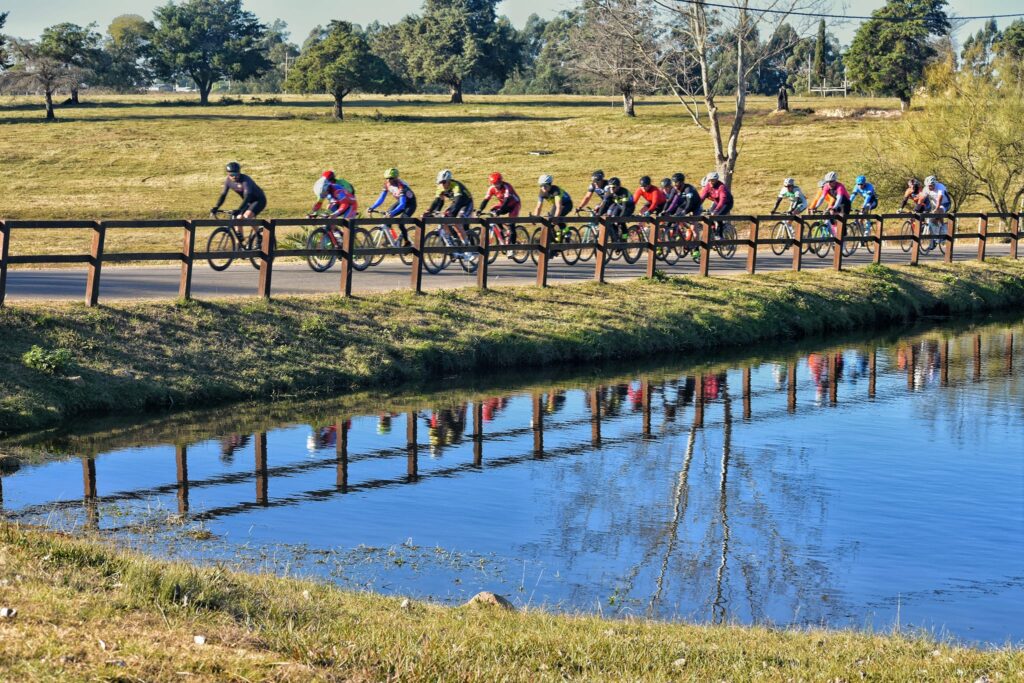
{"x":870,"y":483}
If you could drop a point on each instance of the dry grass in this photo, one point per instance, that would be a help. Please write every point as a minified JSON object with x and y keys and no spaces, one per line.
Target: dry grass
{"x":87,"y":611}
{"x":160,"y":156}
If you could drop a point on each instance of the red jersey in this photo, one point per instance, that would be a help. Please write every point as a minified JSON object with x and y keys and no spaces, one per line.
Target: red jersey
{"x":503,"y":192}
{"x":655,"y":197}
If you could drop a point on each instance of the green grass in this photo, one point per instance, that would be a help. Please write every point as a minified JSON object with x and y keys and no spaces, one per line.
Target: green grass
{"x":87,"y":611}
{"x":161,"y":156}
{"x":130,"y":357}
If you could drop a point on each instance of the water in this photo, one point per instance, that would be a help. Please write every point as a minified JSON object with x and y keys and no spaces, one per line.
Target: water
{"x":872,"y":484}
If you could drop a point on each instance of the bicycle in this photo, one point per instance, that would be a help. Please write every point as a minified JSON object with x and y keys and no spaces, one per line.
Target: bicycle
{"x":560,"y":234}
{"x":328,"y":239}
{"x":445,"y":236}
{"x":229,"y":238}
{"x":724,"y":231}
{"x":508,"y":236}
{"x":783,"y":230}
{"x":389,"y":235}
{"x":861,"y":227}
{"x":820,"y":237}
{"x":933,"y":227}
{"x":589,"y":235}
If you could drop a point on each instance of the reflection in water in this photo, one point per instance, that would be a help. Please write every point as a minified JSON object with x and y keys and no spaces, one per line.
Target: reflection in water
{"x":817,"y":502}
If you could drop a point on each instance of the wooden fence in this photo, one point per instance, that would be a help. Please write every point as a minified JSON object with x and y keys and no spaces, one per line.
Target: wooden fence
{"x":545,"y":246}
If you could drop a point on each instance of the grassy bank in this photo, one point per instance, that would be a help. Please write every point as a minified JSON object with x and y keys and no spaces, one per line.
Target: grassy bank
{"x":62,"y":360}
{"x":86,"y":611}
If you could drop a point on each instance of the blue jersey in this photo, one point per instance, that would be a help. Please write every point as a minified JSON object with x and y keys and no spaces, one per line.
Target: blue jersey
{"x":867,"y":190}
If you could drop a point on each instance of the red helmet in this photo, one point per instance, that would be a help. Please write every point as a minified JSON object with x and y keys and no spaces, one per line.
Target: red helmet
{"x":494,"y":178}
{"x":329,"y":175}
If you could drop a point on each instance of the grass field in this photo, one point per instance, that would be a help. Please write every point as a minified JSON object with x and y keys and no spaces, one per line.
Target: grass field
{"x":86,"y":611}
{"x":161,"y":156}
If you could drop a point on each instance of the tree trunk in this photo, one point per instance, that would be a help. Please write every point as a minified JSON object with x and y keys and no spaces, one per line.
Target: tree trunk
{"x":904,"y":103}
{"x":456,"y":90}
{"x":204,"y":91}
{"x":49,"y":106}
{"x":627,"y":104}
{"x":74,"y":96}
{"x":339,"y":113}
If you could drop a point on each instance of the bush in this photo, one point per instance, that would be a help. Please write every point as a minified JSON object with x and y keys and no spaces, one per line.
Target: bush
{"x":50,"y":362}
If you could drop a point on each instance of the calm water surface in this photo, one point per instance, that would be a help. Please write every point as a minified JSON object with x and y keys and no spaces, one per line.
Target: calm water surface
{"x":864,"y":485}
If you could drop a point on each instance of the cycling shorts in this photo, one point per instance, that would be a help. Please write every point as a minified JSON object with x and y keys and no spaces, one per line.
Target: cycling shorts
{"x":257,"y":206}
{"x":724,"y":210}
{"x":461,"y":207}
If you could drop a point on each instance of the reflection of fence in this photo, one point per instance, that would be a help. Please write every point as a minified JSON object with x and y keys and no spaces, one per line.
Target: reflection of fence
{"x":700,"y":391}
{"x":909,"y":235}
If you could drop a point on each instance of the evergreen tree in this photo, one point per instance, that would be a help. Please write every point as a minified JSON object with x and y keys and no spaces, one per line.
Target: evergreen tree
{"x":818,"y":69}
{"x":979,"y":49}
{"x":73,"y":46}
{"x":125,"y":49}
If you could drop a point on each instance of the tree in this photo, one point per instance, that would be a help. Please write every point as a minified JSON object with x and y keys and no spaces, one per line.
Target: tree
{"x":34,"y":69}
{"x":608,"y":45}
{"x":1009,"y":52}
{"x":5,"y":57}
{"x":340,"y":64}
{"x":74,"y":46}
{"x":547,"y":56}
{"x":799,"y":66}
{"x":978,"y":49}
{"x":125,"y":65}
{"x":207,"y":40}
{"x":890,"y":51}
{"x":280,"y":53}
{"x":818,"y":70}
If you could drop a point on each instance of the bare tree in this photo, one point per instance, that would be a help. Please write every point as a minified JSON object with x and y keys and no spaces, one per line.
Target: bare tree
{"x":35,"y":71}
{"x":608,"y":47}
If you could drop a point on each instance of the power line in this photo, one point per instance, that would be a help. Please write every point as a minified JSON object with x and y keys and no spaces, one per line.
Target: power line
{"x":845,"y":16}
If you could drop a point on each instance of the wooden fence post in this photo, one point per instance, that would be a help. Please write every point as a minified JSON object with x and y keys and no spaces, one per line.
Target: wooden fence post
{"x":92,"y":282}
{"x":537,"y":424}
{"x":267,"y":246}
{"x":478,"y":433}
{"x":705,"y":248}
{"x":5,"y":245}
{"x":791,"y":387}
{"x":412,"y":466}
{"x":595,"y":417}
{"x":601,"y":258}
{"x":188,"y":248}
{"x":983,"y":239}
{"x":1013,"y":244}
{"x":953,"y":226}
{"x":262,"y":484}
{"x":543,"y":254}
{"x":798,"y":245}
{"x":181,"y":461}
{"x":877,"y":256}
{"x":483,"y":265}
{"x":416,"y":277}
{"x":341,"y":455}
{"x":347,"y":245}
{"x":652,"y":250}
{"x":746,"y":394}
{"x":755,"y":228}
{"x":915,"y":247}
{"x":837,"y":255}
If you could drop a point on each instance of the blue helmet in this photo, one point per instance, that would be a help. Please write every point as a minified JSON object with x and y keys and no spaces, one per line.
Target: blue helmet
{"x":861,"y":180}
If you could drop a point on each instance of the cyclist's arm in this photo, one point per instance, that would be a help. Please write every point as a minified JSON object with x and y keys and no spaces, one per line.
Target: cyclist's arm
{"x":585,"y":200}
{"x":381,"y":198}
{"x":436,"y":205}
{"x":399,"y":207}
{"x":778,"y":200}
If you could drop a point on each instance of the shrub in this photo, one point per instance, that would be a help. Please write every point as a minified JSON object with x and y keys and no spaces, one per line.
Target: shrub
{"x":50,"y":362}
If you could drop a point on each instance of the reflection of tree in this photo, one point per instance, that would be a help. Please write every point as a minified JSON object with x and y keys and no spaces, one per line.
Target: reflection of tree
{"x":680,"y":497}
{"x":718,"y":606}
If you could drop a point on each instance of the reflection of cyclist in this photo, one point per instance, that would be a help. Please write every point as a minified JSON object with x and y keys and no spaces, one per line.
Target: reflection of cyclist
{"x":253,"y":198}
{"x":491,"y":407}
{"x":231,"y":444}
{"x":598,"y":186}
{"x":384,"y":423}
{"x":508,"y":200}
{"x":461,"y":205}
{"x":322,"y":437}
{"x":339,"y":192}
{"x":405,"y":198}
{"x":797,"y":199}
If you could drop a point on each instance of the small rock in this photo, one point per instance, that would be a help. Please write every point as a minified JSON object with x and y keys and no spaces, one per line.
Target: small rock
{"x":103,"y":646}
{"x":610,"y":632}
{"x":679,"y":663}
{"x":116,"y":662}
{"x":8,"y":612}
{"x":936,"y":653}
{"x":488,"y":599}
{"x":9,"y":464}
{"x":406,"y":604}
{"x":306,"y":595}
{"x":199,"y":640}
{"x":983,"y":679}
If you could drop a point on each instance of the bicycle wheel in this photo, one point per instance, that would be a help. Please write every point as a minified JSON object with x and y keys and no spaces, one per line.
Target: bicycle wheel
{"x":221,"y":240}
{"x":378,"y":239}
{"x":822,"y":237}
{"x":907,"y":235}
{"x":496,"y":241}
{"x":780,"y":232}
{"x":571,"y":237}
{"x":434,"y":263}
{"x":320,"y":240}
{"x":361,"y":240}
{"x":869,"y":245}
{"x":635,"y":247}
{"x":255,"y":243}
{"x":855,"y":230}
{"x":588,"y":243}
{"x":521,"y":239}
{"x":670,"y":255}
{"x":534,"y":239}
{"x":727,"y":250}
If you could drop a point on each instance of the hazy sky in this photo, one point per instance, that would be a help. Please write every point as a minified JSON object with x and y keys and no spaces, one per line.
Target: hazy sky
{"x":29,"y":17}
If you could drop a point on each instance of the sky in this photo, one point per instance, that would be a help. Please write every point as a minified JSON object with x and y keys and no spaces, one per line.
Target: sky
{"x":28,"y":17}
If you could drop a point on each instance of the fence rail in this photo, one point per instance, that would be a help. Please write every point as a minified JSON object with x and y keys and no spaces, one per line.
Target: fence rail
{"x":910,"y":230}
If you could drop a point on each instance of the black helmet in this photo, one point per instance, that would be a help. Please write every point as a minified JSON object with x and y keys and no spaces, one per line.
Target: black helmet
{"x":614,"y":182}
{"x":233,"y":167}
{"x":678,"y":178}
{"x":597,"y":175}
{"x":666,"y":182}
{"x":645,"y":180}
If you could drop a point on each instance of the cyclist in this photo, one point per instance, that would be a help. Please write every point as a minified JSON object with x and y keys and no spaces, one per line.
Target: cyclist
{"x":617,"y":200}
{"x":561,"y":202}
{"x":339,"y":192}
{"x":654,"y":197}
{"x":670,"y":192}
{"x":461,"y":205}
{"x":598,"y":186}
{"x":934,"y":198}
{"x":913,"y":190}
{"x":862,"y":188}
{"x":509,"y":202}
{"x":797,"y":199}
{"x":405,"y":198}
{"x":721,"y":198}
{"x":686,"y":199}
{"x":253,"y":198}
{"x":840,"y":202}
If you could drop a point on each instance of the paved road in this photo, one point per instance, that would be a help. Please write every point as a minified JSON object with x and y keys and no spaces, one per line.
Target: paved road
{"x":161,"y":282}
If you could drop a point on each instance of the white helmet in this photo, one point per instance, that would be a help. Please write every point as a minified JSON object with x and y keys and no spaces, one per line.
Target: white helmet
{"x":319,"y":186}
{"x":929,"y":181}
{"x":545,"y":180}
{"x":831,"y":176}
{"x":712,"y":176}
{"x":444,"y":176}
{"x":788,"y":182}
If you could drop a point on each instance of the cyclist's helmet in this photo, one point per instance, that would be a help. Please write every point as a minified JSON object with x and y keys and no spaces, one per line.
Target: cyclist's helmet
{"x":233,"y":168}
{"x":545,"y":180}
{"x":645,"y":181}
{"x":831,"y":177}
{"x":391,"y":174}
{"x":329,"y":175}
{"x":678,"y":178}
{"x":444,"y":176}
{"x":494,"y":178}
{"x":929,"y":181}
{"x":666,"y":182}
{"x":788,"y":182}
{"x":712,"y":176}
{"x":861,"y":180}
{"x":597,"y":176}
{"x":614,"y":182}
